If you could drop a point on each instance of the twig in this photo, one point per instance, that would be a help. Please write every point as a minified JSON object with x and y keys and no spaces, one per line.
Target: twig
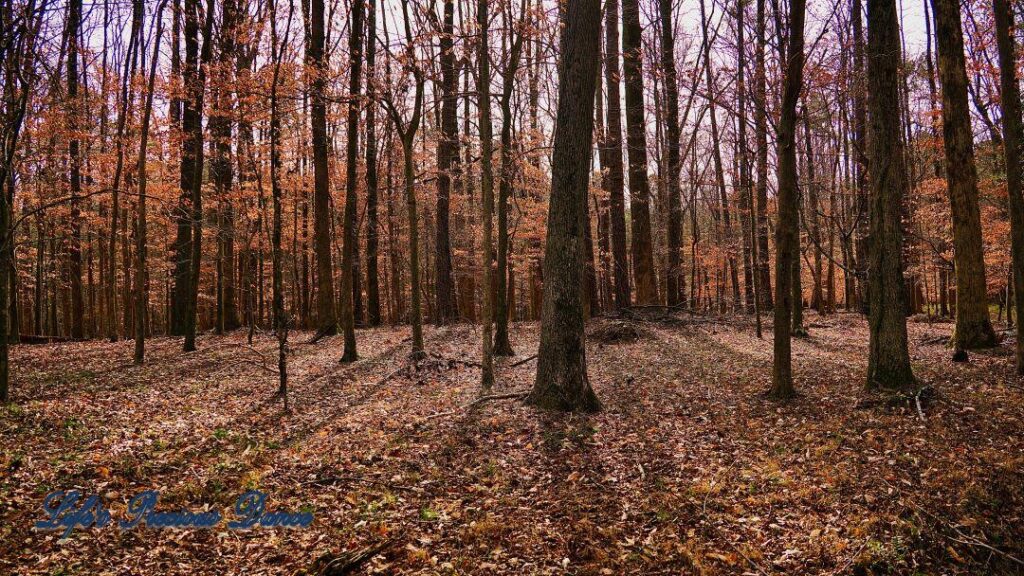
{"x":347,"y":562}
{"x":523,"y":361}
{"x":478,"y":401}
{"x":967,"y":539}
{"x":344,"y":478}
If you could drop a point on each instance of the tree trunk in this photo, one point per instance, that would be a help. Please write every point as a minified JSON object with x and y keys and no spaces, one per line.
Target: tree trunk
{"x":675,"y":210}
{"x":786,"y":230}
{"x":746,"y":197}
{"x":75,"y":164}
{"x":813,"y":228}
{"x":613,"y":145}
{"x":764,"y":279}
{"x":221,"y":169}
{"x":973,"y":328}
{"x":141,"y":275}
{"x":327,"y":321}
{"x":561,"y":382}
{"x":372,"y":225}
{"x":281,"y":321}
{"x":195,"y":85}
{"x":502,"y":346}
{"x":189,"y":156}
{"x":483,"y":90}
{"x":716,"y":150}
{"x":447,"y":164}
{"x":350,"y":246}
{"x":636,"y":138}
{"x":862,"y":242}
{"x":1013,"y":140}
{"x":888,"y":358}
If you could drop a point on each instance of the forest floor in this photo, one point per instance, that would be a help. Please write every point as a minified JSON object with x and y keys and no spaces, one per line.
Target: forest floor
{"x":689,"y":469}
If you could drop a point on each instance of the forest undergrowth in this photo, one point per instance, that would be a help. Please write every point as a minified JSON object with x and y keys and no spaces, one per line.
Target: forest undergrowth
{"x":689,"y":468}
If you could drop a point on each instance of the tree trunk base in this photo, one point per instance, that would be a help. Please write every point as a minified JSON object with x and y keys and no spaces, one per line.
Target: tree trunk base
{"x":554,"y":397}
{"x":974,"y":335}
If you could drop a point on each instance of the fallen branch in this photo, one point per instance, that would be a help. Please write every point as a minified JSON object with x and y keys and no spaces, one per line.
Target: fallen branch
{"x":467,"y":363}
{"x":965,"y":539}
{"x":479,"y":401}
{"x":524,"y":361}
{"x":347,"y":562}
{"x":344,"y":478}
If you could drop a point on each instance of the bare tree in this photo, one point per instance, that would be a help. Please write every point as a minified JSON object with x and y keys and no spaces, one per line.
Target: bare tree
{"x":1013,"y":140}
{"x":973,"y":328}
{"x":888,"y":358}
{"x":636,"y":146}
{"x":786,"y":232}
{"x":562,"y":382}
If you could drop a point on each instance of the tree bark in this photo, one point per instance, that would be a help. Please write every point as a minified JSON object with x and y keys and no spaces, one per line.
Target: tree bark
{"x":746,"y":197}
{"x":502,"y":346}
{"x":675,"y":211}
{"x":973,"y":328}
{"x":561,"y":382}
{"x":860,"y":144}
{"x":888,"y":358}
{"x":195,"y":87}
{"x":483,"y":90}
{"x":786,"y":230}
{"x":1013,"y":140}
{"x":613,"y":145}
{"x":221,"y":168}
{"x":141,"y":275}
{"x":350,"y":246}
{"x":327,"y":321}
{"x":372,"y":193}
{"x":764,"y":280}
{"x":447,"y":163}
{"x":636,"y":145}
{"x":75,"y":166}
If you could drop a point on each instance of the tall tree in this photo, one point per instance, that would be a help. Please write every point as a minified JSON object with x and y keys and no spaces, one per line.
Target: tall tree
{"x":483,"y":93}
{"x":221,"y":172}
{"x":613,"y":145}
{"x":192,"y":149}
{"x":281,"y":320}
{"x":406,"y":131}
{"x":786,"y":231}
{"x":502,"y":346}
{"x":675,"y":209}
{"x":316,"y":62}
{"x":716,"y":156}
{"x":372,"y":243}
{"x":888,"y":358}
{"x":447,"y":162}
{"x":127,"y":97}
{"x":763,"y":283}
{"x":16,"y":69}
{"x":561,"y":382}
{"x":862,"y":243}
{"x":973,"y":328}
{"x":1013,"y":148}
{"x":75,"y":167}
{"x":141,"y":248}
{"x":636,"y":146}
{"x":350,"y":245}
{"x":746,"y":198}
{"x":189,"y":156}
